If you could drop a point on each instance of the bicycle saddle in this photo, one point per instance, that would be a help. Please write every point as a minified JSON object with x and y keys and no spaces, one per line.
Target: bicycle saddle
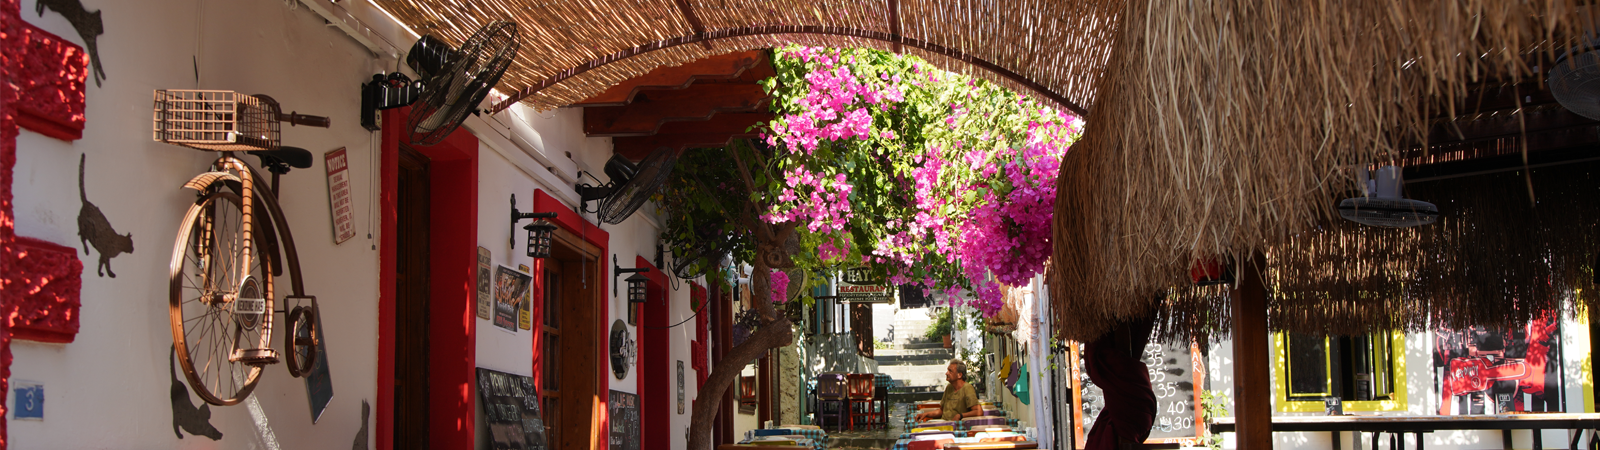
{"x":283,"y":158}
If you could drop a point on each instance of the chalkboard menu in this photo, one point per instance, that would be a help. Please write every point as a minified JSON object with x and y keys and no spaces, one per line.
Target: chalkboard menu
{"x":1175,"y":372}
{"x":624,"y":409}
{"x":511,"y":411}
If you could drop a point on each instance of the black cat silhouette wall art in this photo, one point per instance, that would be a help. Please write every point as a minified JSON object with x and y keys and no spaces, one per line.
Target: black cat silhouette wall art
{"x":93,"y":228}
{"x":361,"y":435}
{"x":185,"y":416}
{"x":88,"y":25}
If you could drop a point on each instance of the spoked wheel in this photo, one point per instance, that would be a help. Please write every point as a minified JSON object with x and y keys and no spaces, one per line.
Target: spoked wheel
{"x":221,"y":300}
{"x":300,"y":342}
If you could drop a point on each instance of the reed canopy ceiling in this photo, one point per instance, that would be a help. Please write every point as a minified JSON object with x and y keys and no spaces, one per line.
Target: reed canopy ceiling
{"x":1222,"y":128}
{"x":573,"y":49}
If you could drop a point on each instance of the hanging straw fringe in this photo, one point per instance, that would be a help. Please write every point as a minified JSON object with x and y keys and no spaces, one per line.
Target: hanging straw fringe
{"x":1229,"y":127}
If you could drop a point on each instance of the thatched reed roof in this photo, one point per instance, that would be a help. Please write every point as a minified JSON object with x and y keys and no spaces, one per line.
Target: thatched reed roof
{"x":573,"y":49}
{"x":1230,"y":127}
{"x":1217,"y":128}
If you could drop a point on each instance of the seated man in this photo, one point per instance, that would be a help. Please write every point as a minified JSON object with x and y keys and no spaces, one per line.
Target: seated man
{"x":959,"y":401}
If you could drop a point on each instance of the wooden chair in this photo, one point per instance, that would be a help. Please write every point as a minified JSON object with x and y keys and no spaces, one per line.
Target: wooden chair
{"x":831,"y":392}
{"x":861,"y":387}
{"x":880,"y":401}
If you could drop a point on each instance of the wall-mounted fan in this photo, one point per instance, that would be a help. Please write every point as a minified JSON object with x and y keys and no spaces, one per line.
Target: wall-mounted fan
{"x":453,"y":82}
{"x":1575,"y":81}
{"x":1382,"y":206}
{"x":631,"y":184}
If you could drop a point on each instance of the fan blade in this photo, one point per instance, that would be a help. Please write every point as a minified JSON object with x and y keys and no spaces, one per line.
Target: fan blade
{"x":628,"y":197}
{"x":456,"y":90}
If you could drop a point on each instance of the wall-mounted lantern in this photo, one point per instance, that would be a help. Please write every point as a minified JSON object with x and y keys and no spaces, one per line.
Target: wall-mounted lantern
{"x":538,"y":232}
{"x":636,"y":288}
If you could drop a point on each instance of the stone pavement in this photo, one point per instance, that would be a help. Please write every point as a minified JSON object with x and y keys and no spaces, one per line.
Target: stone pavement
{"x":875,"y":439}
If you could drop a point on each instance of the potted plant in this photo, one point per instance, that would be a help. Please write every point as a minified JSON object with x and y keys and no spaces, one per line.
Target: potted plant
{"x":939,"y":329}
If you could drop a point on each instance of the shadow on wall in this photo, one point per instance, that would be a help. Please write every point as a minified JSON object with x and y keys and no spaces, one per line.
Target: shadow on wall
{"x":835,"y":353}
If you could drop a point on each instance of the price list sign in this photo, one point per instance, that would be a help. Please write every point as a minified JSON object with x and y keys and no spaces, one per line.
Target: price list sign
{"x":1176,"y":376}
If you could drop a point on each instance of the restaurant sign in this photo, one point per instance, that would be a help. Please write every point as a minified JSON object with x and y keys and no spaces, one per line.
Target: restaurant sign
{"x":858,"y":285}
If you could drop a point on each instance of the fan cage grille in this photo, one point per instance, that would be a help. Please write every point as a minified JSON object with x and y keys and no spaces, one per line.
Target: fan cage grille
{"x":214,"y":120}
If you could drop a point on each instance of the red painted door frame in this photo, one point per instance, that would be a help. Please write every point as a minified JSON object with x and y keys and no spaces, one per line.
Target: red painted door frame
{"x":452,"y":306}
{"x":570,"y":221}
{"x":657,"y":390}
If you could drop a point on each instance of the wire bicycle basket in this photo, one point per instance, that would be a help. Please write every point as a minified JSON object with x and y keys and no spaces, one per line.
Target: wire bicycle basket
{"x":215,"y":120}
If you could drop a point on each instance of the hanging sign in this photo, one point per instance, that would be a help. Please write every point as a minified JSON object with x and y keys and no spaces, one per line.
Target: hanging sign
{"x":339,"y":200}
{"x":857,"y":285}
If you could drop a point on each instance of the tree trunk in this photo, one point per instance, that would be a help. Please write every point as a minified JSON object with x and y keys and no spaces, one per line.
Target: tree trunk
{"x":775,"y":332}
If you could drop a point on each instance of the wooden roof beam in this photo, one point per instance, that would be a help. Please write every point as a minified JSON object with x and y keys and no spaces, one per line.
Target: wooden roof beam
{"x":729,"y":66}
{"x":635,"y":148}
{"x":649,"y":111}
{"x":694,"y":20}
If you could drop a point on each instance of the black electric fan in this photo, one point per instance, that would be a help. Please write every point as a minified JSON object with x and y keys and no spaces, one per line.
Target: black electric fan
{"x":1575,"y":79}
{"x":453,"y":81}
{"x":631,"y":184}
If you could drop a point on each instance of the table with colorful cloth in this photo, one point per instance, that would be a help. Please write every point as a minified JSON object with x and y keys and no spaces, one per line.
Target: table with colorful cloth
{"x":814,"y":438}
{"x":905,"y":443}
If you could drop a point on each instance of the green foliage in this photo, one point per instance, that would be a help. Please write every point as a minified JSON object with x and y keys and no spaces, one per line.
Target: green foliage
{"x":1213,"y":405}
{"x":708,"y":208}
{"x":940,"y":326}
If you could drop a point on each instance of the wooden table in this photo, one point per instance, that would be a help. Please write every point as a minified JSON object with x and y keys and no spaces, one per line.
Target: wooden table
{"x":1427,"y":424}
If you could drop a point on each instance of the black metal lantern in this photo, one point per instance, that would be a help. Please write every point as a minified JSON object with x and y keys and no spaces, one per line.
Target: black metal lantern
{"x":635,"y":282}
{"x":539,"y":238}
{"x":636,"y":288}
{"x":538,"y":231}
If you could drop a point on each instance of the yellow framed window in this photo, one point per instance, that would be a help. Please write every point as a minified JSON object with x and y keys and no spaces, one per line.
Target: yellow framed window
{"x":1366,"y":372}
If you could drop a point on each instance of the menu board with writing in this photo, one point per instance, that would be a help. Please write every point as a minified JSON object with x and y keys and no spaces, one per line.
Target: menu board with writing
{"x":624,"y":409}
{"x":1176,"y":375}
{"x":511,"y":411}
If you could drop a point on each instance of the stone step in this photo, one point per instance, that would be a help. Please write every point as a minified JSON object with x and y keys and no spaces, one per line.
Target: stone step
{"x":912,"y":354}
{"x":920,"y":345}
{"x":913,"y":360}
{"x":912,"y":397}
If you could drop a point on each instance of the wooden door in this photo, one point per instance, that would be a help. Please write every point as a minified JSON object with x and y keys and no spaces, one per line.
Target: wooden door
{"x":579,"y":296}
{"x":550,"y":405}
{"x":411,"y":362}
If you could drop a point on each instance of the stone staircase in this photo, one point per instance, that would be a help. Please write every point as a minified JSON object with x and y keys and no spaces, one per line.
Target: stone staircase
{"x":917,"y":365}
{"x":918,"y":368}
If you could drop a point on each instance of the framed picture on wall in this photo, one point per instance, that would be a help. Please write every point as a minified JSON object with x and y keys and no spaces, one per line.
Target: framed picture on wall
{"x":485,"y":285}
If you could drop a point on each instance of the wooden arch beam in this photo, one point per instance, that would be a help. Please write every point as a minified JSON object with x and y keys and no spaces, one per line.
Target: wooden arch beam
{"x":789,"y":29}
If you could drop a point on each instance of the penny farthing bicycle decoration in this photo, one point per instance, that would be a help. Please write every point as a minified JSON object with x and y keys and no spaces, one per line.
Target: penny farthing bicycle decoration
{"x":232,"y":243}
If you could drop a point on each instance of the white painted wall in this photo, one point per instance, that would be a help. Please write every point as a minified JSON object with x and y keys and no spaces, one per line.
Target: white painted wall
{"x":116,"y":376}
{"x":523,"y":150}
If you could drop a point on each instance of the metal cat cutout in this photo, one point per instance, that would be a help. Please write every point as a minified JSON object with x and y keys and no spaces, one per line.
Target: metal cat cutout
{"x":88,"y":25}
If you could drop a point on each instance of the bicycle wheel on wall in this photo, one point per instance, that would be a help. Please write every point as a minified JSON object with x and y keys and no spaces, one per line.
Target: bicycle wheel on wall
{"x":221,"y":314}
